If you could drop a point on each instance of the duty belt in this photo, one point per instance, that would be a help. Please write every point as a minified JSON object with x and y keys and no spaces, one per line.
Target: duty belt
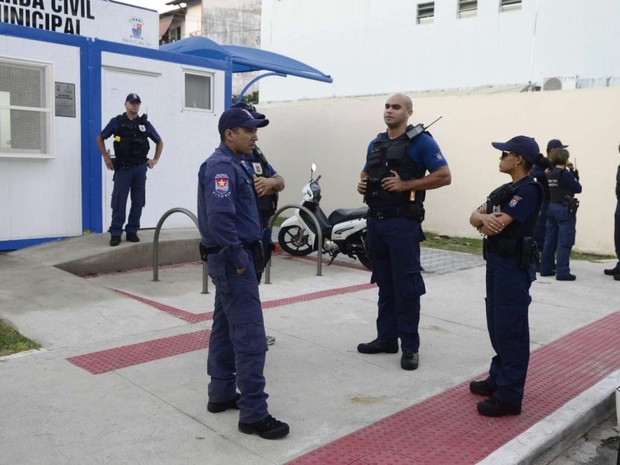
{"x":414,"y":210}
{"x":249,"y":246}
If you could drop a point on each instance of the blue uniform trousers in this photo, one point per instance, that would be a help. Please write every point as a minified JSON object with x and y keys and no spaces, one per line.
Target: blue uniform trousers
{"x":559,"y":240}
{"x":237,"y":345}
{"x":507,"y":305}
{"x":394,"y":248}
{"x":129,"y":179}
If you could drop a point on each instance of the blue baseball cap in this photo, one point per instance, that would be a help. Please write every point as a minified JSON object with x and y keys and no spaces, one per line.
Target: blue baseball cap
{"x":555,"y":144}
{"x":238,"y":118}
{"x":521,"y":145}
{"x":131,"y":98}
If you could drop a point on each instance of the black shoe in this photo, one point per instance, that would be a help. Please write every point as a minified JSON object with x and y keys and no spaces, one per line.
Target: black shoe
{"x":269,"y":428}
{"x":133,"y":238}
{"x":409,"y":360}
{"x":389,"y":346}
{"x":548,"y":274}
{"x":115,"y":240}
{"x":617,"y":277}
{"x":481,"y":388}
{"x":217,"y":407}
{"x":493,"y":408}
{"x":566,"y":277}
{"x":615,"y":271}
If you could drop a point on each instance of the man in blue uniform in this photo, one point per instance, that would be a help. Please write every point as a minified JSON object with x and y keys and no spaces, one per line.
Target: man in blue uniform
{"x":131,"y":145}
{"x":615,"y":271}
{"x":230,"y":229}
{"x":393,"y":182}
{"x":507,"y":220}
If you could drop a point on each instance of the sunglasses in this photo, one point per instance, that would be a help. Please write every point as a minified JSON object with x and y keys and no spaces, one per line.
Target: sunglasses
{"x":505,"y":154}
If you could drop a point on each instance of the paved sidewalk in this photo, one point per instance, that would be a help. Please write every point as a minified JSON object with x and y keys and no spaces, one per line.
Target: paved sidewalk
{"x":122,"y":377}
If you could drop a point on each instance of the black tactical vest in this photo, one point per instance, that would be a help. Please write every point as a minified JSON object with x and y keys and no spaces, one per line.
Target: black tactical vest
{"x":502,"y":195}
{"x":392,"y":155}
{"x":268,"y":204}
{"x":131,"y":143}
{"x":557,"y":192}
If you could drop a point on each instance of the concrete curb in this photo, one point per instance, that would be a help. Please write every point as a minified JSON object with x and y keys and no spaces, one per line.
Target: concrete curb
{"x":555,"y":434}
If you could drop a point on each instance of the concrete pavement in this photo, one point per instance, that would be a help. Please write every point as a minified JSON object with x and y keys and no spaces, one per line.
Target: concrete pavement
{"x":122,"y":377}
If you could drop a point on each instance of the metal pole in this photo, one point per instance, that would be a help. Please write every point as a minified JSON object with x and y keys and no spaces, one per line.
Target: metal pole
{"x":205,"y":270}
{"x":319,"y":254}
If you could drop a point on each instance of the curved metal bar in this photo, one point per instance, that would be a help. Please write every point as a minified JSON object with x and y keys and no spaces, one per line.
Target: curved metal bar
{"x":249,"y":84}
{"x":164,"y":217}
{"x":319,"y":252}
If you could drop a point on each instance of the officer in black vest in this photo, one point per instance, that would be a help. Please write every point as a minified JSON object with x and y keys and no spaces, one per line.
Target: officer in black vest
{"x":393,"y":182}
{"x":507,"y":221}
{"x":561,"y":218}
{"x":131,"y":146}
{"x":267,"y":183}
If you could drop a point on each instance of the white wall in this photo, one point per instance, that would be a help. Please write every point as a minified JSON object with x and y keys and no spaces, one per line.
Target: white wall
{"x":335,"y":133}
{"x":375,"y":47}
{"x":42,"y":197}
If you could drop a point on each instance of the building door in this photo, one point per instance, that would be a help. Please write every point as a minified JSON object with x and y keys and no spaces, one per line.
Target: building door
{"x":116,"y":84}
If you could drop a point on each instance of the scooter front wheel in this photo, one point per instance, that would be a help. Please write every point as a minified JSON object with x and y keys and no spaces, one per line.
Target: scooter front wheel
{"x":294,"y":240}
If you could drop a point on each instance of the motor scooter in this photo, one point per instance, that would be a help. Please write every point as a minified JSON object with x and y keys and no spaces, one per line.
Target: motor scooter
{"x":344,"y":231}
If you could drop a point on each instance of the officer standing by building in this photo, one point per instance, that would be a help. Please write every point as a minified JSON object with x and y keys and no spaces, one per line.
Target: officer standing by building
{"x":230,"y":229}
{"x":561,"y":218}
{"x":131,"y":146}
{"x":393,"y":183}
{"x":615,"y":271}
{"x":507,"y":220}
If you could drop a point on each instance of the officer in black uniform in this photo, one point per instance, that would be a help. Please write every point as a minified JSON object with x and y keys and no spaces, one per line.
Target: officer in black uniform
{"x":507,"y":220}
{"x":131,"y":146}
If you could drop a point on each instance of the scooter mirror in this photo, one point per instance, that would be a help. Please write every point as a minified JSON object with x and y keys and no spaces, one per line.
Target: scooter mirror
{"x":313,"y":167}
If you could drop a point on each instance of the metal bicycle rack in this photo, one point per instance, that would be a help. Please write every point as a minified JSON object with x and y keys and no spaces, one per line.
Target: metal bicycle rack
{"x":319,"y":252}
{"x":205,"y":269}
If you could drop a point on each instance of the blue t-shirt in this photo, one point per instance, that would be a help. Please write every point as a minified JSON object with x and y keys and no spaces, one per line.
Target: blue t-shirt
{"x":423,"y":150}
{"x":524,"y":202}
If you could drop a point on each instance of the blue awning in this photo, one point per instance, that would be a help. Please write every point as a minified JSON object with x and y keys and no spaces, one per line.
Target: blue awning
{"x":246,"y":59}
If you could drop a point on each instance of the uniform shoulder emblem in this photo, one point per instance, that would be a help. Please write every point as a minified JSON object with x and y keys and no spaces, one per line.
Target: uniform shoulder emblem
{"x":514,"y":201}
{"x":222,"y":187}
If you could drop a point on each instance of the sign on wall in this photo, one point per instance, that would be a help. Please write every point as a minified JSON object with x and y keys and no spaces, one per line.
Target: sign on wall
{"x":100,"y":19}
{"x":65,"y":99}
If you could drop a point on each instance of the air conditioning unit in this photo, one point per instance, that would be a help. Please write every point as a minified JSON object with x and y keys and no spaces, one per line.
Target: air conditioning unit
{"x":559,"y":83}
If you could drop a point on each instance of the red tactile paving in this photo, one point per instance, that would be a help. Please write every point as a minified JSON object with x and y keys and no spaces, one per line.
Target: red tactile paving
{"x":447,"y":430}
{"x":135,"y":354}
{"x":173,"y":311}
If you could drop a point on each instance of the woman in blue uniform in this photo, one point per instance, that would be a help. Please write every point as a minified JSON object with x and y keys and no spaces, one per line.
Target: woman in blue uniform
{"x":507,"y":221}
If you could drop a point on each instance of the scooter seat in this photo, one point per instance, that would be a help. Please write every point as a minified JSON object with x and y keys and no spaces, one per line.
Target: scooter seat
{"x":347,"y":214}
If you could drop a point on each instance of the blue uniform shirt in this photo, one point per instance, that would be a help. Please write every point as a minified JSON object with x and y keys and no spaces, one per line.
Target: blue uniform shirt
{"x":228,"y":214}
{"x":423,"y":150}
{"x":112,"y":128}
{"x":254,"y":164}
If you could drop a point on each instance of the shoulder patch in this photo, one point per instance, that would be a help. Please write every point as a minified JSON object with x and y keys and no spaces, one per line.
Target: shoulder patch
{"x":514,"y":201}
{"x":222,"y":188}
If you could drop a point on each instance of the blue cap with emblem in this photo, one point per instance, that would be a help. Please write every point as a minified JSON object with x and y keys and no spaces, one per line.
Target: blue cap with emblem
{"x":238,"y":118}
{"x":131,"y":98}
{"x":521,"y":145}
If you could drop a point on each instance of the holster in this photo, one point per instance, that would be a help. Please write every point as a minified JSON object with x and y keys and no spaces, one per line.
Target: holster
{"x":258,"y":252}
{"x":572,"y":204}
